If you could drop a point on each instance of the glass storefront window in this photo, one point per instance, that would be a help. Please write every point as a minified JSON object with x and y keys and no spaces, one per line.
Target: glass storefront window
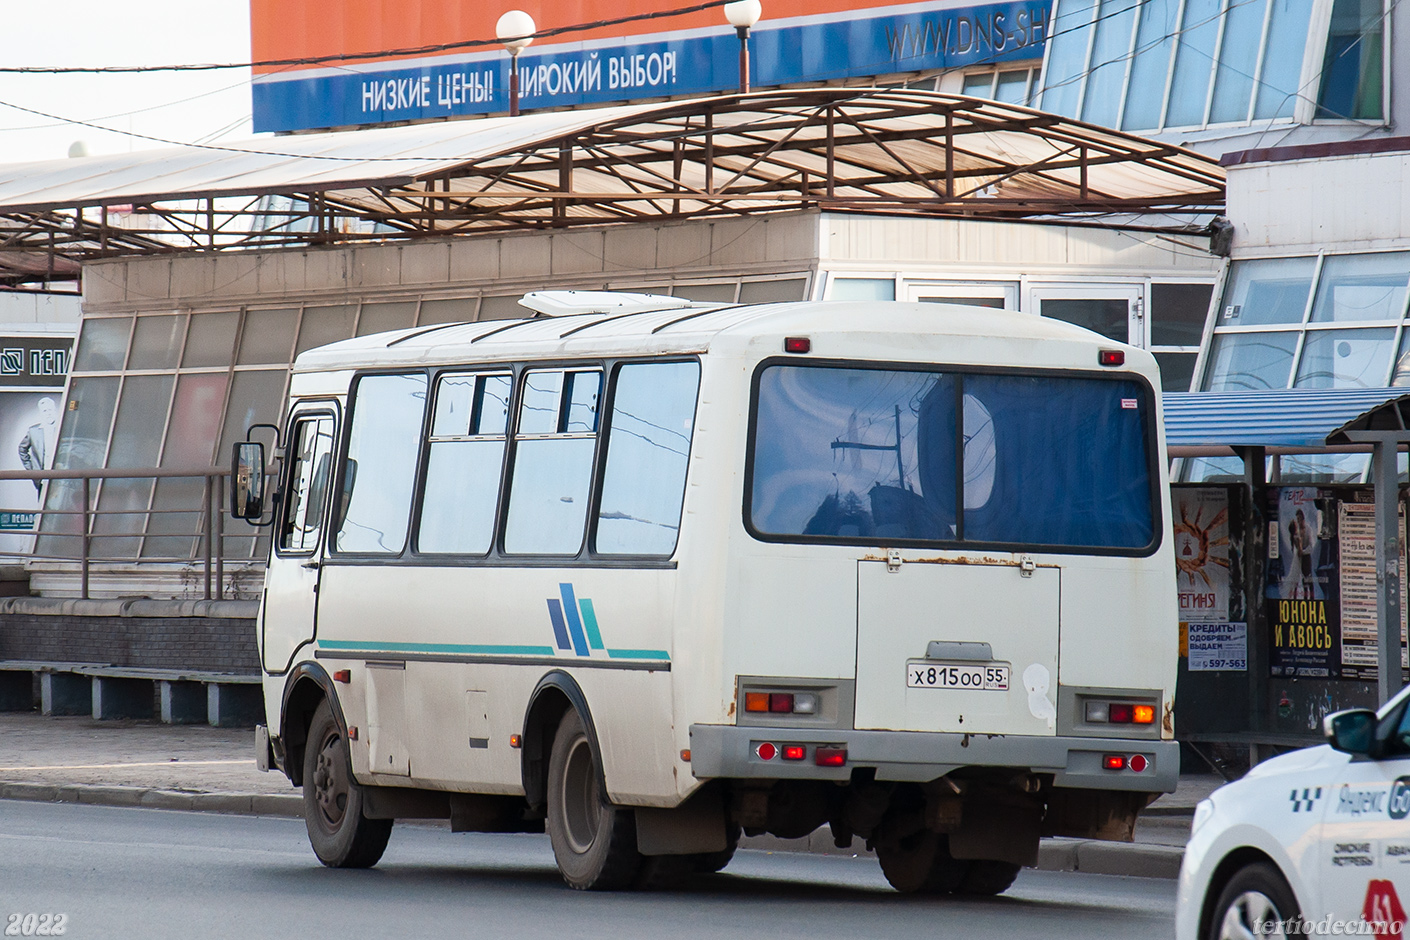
{"x":324,"y":325}
{"x":1352,"y":83}
{"x":1092,"y":43}
{"x":1345,"y":358}
{"x":1242,"y":361}
{"x":211,"y":340}
{"x":268,"y":336}
{"x":1269,"y":290}
{"x":863,"y":288}
{"x":102,"y":344}
{"x":156,"y":342}
{"x":1178,"y":312}
{"x":1362,"y":287}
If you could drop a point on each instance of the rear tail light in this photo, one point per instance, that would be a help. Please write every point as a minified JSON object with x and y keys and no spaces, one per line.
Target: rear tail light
{"x":830,"y":756}
{"x":1119,"y":713}
{"x":794,"y":752}
{"x":783,"y":703}
{"x":1114,"y":762}
{"x":1143,"y":714}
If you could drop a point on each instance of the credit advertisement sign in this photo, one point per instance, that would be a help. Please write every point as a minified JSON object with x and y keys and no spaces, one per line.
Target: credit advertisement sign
{"x":795,"y":45}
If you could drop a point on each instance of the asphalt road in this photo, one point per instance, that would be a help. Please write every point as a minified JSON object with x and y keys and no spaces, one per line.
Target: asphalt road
{"x":120,"y":873}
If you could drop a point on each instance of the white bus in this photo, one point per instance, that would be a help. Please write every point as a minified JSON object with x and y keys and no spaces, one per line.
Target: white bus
{"x":648,"y":573}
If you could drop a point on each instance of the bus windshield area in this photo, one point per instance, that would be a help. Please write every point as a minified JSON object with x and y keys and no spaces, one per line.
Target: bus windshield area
{"x":872,"y":455}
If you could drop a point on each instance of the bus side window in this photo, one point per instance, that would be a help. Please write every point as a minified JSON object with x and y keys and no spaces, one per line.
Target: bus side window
{"x":383,"y":444}
{"x":648,"y":448}
{"x":308,"y":483}
{"x":463,"y":470}
{"x":554,"y":446}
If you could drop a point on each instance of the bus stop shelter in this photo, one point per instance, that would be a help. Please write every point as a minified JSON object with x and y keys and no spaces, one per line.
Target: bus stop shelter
{"x":1256,"y":425}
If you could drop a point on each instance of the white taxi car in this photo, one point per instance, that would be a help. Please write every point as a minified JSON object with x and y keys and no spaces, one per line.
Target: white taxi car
{"x":1316,"y":842}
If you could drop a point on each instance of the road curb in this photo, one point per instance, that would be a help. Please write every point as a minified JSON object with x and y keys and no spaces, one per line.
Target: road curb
{"x":1142,"y":860}
{"x":235,"y":804}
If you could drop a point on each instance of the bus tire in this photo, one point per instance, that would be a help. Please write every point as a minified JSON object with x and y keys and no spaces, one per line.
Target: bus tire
{"x":593,"y":841}
{"x":921,"y":863}
{"x":989,"y":877}
{"x":340,"y":835}
{"x":707,"y":863}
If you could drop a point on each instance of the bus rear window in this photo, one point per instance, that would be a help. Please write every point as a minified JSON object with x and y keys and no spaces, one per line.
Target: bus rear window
{"x":873,"y":456}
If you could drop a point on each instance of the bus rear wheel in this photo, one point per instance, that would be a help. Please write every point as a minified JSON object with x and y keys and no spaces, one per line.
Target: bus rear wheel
{"x":340,"y":835}
{"x":921,"y":863}
{"x":593,"y":841}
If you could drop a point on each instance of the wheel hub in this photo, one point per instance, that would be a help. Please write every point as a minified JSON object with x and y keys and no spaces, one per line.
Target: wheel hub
{"x":330,"y":783}
{"x":1252,"y":915}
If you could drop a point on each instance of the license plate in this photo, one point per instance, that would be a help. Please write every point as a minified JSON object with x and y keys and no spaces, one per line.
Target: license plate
{"x":985,"y":677}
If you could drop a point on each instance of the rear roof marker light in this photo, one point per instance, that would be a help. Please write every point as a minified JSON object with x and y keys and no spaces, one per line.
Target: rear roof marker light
{"x":797,"y":344}
{"x":1111,"y":357}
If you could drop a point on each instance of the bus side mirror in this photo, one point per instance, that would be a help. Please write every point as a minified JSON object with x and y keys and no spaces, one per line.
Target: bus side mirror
{"x":1352,"y":731}
{"x":247,"y":472}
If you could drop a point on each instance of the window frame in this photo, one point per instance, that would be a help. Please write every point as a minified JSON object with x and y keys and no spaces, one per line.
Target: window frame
{"x":331,"y":550}
{"x":586,"y":556}
{"x":428,"y":438}
{"x":604,"y":434}
{"x":1153,"y":460}
{"x":310,"y":408}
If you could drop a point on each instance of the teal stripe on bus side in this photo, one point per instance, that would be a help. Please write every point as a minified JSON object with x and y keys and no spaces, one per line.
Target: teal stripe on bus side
{"x":638,"y":654}
{"x":435,"y":648}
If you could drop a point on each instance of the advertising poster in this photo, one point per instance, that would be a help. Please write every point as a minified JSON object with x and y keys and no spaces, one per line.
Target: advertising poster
{"x":29,"y":427}
{"x":1359,"y":633}
{"x":1205,"y":560}
{"x":1218,"y":647}
{"x":1302,"y":587}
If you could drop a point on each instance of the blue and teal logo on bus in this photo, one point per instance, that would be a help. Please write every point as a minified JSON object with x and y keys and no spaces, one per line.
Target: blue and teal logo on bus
{"x":575,"y":628}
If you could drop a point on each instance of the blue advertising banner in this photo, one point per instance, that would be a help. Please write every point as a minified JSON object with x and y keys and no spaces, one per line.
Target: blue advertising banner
{"x":695,"y":62}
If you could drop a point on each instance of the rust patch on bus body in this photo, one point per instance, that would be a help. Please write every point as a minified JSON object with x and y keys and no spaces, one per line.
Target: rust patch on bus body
{"x":985,"y":560}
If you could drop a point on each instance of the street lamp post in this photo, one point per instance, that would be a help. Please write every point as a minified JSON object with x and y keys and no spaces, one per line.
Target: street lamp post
{"x":743,"y":14}
{"x":516,"y":30}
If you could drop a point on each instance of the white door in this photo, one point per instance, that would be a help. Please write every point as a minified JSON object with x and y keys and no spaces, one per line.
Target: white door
{"x":289,"y":617}
{"x":1114,"y":311}
{"x":934,"y":640}
{"x":1365,"y":841}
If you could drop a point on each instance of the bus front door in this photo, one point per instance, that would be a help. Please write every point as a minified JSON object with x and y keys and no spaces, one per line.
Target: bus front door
{"x":290,"y":611}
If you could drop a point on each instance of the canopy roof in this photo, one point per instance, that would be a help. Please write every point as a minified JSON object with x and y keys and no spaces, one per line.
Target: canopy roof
{"x":1299,"y":418}
{"x":871,"y":150}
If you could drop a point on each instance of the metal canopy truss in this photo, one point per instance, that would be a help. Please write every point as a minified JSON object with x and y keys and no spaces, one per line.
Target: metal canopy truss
{"x":872,"y":150}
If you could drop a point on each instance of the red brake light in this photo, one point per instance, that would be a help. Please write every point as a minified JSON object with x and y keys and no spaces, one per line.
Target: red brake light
{"x":830,"y":756}
{"x":766,"y":751}
{"x":794,"y":752}
{"x":1114,"y":762}
{"x":781,"y":702}
{"x":797,"y":344}
{"x":1111,"y":357}
{"x":1138,"y":762}
{"x":1120,"y":713}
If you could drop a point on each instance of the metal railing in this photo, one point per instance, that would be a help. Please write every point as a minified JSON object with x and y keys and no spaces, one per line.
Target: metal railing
{"x":208,"y":536}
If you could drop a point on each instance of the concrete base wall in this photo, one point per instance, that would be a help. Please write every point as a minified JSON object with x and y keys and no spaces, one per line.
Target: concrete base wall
{"x":213,"y":644}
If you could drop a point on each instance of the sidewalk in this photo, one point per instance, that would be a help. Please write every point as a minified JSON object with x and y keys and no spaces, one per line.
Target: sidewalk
{"x":196,"y":767}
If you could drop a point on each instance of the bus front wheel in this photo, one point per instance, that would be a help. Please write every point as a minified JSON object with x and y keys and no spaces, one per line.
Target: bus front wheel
{"x":340,"y":835}
{"x":593,"y":841}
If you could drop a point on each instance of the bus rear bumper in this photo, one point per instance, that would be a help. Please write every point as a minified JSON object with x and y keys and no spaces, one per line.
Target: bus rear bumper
{"x":727,"y":751}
